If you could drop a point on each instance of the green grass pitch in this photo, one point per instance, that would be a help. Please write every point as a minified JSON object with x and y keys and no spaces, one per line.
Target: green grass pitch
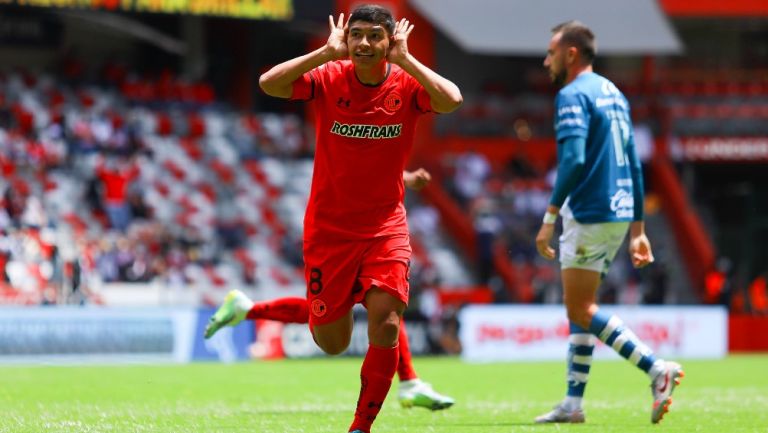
{"x":319,"y":396}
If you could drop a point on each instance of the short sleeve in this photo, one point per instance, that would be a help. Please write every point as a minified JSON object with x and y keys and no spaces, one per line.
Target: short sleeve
{"x":304,"y":87}
{"x":423,"y":100}
{"x":571,"y":116}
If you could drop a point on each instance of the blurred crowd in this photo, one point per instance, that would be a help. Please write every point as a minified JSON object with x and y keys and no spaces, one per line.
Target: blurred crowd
{"x":506,"y":203}
{"x":125,"y":181}
{"x":151,"y":179}
{"x":134,"y":180}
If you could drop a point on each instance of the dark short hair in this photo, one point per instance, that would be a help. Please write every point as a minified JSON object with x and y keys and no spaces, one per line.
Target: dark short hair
{"x":576,"y":34}
{"x":374,"y":14}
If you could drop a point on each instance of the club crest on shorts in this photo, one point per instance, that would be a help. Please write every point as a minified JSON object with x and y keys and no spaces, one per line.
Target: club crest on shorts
{"x":393,"y":102}
{"x":318,"y":308}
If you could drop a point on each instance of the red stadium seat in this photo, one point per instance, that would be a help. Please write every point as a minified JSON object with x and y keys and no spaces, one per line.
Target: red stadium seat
{"x":192,"y":148}
{"x":174,"y":169}
{"x":164,"y":124}
{"x":196,"y":125}
{"x":224,"y":172}
{"x":207,"y":190}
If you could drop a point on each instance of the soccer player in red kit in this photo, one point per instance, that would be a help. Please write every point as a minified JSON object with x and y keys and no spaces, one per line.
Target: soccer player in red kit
{"x":412,"y":392}
{"x":367,"y":91}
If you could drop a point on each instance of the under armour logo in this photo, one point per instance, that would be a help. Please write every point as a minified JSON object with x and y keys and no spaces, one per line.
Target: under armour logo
{"x":343,"y":101}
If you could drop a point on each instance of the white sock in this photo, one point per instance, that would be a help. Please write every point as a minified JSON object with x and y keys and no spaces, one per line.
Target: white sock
{"x":656,"y":369}
{"x":572,"y":403}
{"x":410,"y":383}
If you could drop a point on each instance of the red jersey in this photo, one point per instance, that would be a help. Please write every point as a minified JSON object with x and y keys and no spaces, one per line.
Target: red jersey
{"x":364,"y":135}
{"x":116,"y":183}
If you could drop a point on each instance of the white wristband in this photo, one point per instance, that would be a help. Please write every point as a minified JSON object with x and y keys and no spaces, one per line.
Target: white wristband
{"x":549,"y":218}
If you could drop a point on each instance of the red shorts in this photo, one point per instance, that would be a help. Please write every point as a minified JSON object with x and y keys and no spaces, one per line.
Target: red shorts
{"x":339,"y":274}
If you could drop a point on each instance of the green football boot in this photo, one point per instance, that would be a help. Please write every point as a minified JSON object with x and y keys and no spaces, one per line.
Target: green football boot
{"x":420,"y":394}
{"x":232,"y":311}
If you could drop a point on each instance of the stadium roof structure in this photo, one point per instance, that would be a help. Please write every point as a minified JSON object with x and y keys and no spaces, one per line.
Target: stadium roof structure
{"x":522,"y":27}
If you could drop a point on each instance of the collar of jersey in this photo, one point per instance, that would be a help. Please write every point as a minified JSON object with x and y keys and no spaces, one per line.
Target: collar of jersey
{"x":386,"y":75}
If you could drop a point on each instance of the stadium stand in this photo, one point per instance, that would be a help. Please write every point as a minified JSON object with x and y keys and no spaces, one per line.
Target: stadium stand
{"x":187,"y":169}
{"x":146,"y":182}
{"x":156,"y":181}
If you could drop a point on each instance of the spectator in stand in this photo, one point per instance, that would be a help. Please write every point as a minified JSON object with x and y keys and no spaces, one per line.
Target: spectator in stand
{"x":106,"y":261}
{"x":718,"y":281}
{"x":449,"y":340}
{"x":758,"y":295}
{"x":487,"y":225}
{"x":14,"y":201}
{"x":658,"y":281}
{"x":34,"y":214}
{"x":116,"y":179}
{"x":139,"y":208}
{"x":472,"y":169}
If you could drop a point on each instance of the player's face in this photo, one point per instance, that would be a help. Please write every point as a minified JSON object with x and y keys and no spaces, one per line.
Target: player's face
{"x":555,"y":61}
{"x":368,"y":43}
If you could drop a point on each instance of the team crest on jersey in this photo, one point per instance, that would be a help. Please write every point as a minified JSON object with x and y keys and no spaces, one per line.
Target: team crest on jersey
{"x":366,"y":131}
{"x":318,"y":308}
{"x":393,"y":102}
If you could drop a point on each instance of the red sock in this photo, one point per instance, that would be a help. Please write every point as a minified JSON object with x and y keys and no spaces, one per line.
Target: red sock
{"x":405,"y":369}
{"x":375,"y":379}
{"x":286,"y":310}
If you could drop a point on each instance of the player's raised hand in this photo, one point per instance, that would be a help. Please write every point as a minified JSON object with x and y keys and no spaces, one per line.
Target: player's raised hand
{"x":398,"y":50}
{"x":640,"y":250}
{"x":337,"y":40}
{"x":543,"y":239}
{"x":416,"y":180}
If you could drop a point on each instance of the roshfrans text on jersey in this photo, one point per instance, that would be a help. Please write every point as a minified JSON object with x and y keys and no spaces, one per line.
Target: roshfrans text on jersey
{"x":366,"y":131}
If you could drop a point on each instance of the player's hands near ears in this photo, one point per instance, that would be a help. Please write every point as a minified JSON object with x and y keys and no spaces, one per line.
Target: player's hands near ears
{"x":337,"y":40}
{"x":543,"y":239}
{"x":398,"y":48}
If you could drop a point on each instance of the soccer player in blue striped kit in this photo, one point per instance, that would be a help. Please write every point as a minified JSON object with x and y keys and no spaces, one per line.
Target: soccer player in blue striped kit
{"x":599,"y":195}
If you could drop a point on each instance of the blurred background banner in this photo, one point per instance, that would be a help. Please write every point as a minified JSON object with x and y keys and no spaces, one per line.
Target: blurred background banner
{"x":297,"y":341}
{"x":514,"y":333}
{"x":228,"y":345}
{"x":259,"y":9}
{"x":82,"y":334}
{"x":105,"y":335}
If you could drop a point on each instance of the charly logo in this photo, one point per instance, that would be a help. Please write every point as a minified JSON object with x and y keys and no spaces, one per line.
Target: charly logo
{"x":366,"y":131}
{"x":393,"y":102}
{"x":623,"y":204}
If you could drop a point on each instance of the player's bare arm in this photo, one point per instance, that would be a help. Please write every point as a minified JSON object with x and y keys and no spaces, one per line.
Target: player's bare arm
{"x":639,"y":246}
{"x":416,"y":180}
{"x":445,"y":95}
{"x":278,"y":81}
